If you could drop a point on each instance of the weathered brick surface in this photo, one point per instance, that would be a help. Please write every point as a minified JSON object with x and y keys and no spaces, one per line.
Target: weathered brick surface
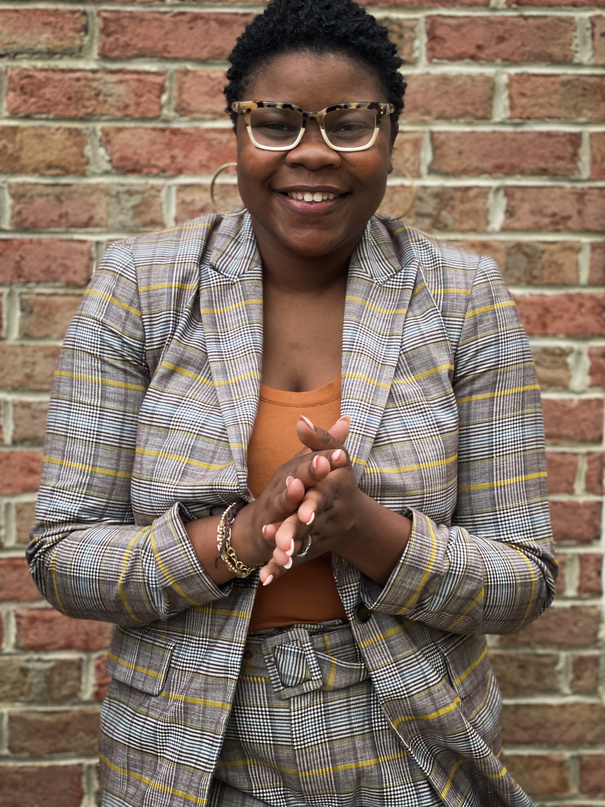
{"x":112,"y":122}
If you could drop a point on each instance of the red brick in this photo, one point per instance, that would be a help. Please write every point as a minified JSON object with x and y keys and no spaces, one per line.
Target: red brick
{"x":194,"y":200}
{"x":525,"y":673}
{"x":89,"y":205}
{"x":24,"y":518}
{"x":585,"y":676}
{"x":561,"y":584}
{"x":46,"y":316}
{"x":169,"y":35}
{"x":576,"y":522}
{"x":16,"y":582}
{"x":446,"y":209}
{"x":562,"y":468}
{"x":29,"y":422}
{"x":591,"y":575}
{"x":36,"y":680}
{"x":561,"y":724}
{"x":406,"y":154}
{"x":403,"y":32}
{"x":531,"y":263}
{"x":45,"y":150}
{"x":101,"y":679}
{"x":522,"y":153}
{"x":423,"y":3}
{"x":540,"y":776}
{"x":84,"y":93}
{"x":430,"y":98}
{"x":597,"y":264}
{"x":567,"y":97}
{"x":597,"y":155}
{"x":572,"y":626}
{"x":555,"y":209}
{"x":571,"y":3}
{"x":47,"y":786}
{"x":592,"y":774}
{"x":40,"y":31}
{"x":19,"y":471}
{"x":53,"y":732}
{"x":171,"y":151}
{"x":571,"y":314}
{"x":199,"y":93}
{"x":597,"y":366}
{"x":598,"y":39}
{"x":595,"y":471}
{"x":27,"y":367}
{"x":508,"y":39}
{"x":45,"y":260}
{"x":552,"y":366}
{"x":46,"y":629}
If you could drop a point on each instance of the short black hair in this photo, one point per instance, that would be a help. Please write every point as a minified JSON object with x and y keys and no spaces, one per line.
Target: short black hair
{"x":318,"y":26}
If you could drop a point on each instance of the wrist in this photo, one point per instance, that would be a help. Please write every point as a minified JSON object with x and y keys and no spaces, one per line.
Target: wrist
{"x":247,"y":539}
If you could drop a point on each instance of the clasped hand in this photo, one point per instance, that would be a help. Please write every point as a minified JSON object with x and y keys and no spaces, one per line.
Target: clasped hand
{"x":314,"y":497}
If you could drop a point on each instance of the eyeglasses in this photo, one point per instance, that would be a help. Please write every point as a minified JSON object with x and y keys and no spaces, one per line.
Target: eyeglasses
{"x":275,"y":126}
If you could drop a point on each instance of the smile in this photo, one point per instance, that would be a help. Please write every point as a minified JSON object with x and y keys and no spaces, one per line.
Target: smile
{"x":307,"y":196}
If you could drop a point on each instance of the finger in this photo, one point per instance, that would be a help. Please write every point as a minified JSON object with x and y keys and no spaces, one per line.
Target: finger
{"x":340,"y":430}
{"x":318,"y":439}
{"x":284,"y":539}
{"x":312,"y":504}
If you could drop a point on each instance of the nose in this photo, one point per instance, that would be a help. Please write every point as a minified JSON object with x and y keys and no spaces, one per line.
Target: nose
{"x":313,"y":151}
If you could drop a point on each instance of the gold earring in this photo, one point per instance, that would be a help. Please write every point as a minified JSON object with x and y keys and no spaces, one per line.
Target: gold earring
{"x":215,"y":176}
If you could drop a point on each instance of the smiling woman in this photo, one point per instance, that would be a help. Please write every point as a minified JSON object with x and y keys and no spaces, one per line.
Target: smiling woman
{"x":295,"y":455}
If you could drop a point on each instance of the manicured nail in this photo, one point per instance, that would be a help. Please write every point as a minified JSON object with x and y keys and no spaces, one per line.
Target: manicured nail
{"x":336,"y":455}
{"x":345,"y":417}
{"x":265,"y":529}
{"x":268,"y":580}
{"x":288,"y":480}
{"x":308,"y":422}
{"x":315,"y":463}
{"x":290,"y":551}
{"x":288,"y":565}
{"x":311,"y":519}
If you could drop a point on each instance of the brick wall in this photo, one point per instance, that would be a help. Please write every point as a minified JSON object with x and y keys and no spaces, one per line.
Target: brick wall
{"x":111,"y":123}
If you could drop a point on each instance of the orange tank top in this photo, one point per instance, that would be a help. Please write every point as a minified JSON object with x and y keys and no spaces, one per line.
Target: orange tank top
{"x":308,"y":592}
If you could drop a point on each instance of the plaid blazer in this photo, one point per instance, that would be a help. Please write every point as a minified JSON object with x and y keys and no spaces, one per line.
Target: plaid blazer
{"x":152,"y":409}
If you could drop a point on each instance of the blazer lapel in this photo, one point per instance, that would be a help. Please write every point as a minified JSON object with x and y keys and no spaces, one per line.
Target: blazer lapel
{"x":232,"y":317}
{"x":375,"y":309}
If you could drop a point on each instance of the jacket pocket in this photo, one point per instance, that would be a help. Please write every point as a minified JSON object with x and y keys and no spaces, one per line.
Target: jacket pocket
{"x":139,"y":661}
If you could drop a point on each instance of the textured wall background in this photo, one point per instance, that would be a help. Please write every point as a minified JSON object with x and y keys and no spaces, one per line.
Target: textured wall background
{"x":111,"y":122}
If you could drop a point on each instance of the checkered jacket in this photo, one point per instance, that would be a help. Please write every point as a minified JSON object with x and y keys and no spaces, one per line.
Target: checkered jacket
{"x":153,"y":406}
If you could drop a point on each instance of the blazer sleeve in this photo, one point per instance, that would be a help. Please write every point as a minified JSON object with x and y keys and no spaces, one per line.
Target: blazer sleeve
{"x":86,"y":554}
{"x":492,"y":570}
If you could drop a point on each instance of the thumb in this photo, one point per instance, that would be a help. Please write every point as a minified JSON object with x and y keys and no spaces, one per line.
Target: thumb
{"x":318,"y":439}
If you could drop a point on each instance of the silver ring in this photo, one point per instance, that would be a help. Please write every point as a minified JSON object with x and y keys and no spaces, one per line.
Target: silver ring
{"x":304,"y":551}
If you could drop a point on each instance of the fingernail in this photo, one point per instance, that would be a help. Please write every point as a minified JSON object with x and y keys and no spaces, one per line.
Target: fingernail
{"x":336,"y":455}
{"x":264,"y":529}
{"x":311,"y":519}
{"x":290,"y":551}
{"x":315,"y":463}
{"x":268,"y":580}
{"x":288,"y":565}
{"x":308,"y":422}
{"x":345,"y":417}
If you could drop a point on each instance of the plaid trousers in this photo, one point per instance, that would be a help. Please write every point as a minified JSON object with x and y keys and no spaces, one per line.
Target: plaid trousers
{"x":306,"y":728}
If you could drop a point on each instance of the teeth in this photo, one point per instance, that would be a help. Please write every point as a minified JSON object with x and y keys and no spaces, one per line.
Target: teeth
{"x":311,"y":197}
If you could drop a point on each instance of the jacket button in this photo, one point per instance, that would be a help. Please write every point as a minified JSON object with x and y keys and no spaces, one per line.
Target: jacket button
{"x":362,"y":613}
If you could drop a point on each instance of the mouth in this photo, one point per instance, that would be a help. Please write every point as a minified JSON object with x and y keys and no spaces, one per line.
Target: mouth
{"x":307,"y":196}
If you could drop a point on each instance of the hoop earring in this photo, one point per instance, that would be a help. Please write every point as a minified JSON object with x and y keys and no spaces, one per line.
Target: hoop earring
{"x":215,"y":176}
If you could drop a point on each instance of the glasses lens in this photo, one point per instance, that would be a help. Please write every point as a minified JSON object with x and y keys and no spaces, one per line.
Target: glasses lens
{"x":275,"y":127}
{"x":350,"y":128}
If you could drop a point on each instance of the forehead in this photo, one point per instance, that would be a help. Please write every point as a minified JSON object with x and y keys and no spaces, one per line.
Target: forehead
{"x":313,"y":81}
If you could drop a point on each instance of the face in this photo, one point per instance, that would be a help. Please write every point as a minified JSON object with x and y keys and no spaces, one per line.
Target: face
{"x":352,"y":183}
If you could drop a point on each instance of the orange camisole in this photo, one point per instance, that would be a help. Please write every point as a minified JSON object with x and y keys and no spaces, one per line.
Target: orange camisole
{"x":306,"y":593}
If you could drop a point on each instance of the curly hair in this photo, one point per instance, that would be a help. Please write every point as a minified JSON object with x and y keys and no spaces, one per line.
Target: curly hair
{"x":316,"y":26}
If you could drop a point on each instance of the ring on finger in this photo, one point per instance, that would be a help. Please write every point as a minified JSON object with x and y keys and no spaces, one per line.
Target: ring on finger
{"x":306,"y":547}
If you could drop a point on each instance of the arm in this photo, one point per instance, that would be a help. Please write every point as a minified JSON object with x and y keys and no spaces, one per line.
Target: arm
{"x":492,"y":570}
{"x":87,"y":556}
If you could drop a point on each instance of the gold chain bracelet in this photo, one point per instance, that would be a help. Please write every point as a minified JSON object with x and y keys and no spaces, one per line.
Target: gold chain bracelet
{"x":226,"y":552}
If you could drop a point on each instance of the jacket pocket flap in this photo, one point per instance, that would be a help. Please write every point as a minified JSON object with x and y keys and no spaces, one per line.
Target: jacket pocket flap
{"x":139,"y":661}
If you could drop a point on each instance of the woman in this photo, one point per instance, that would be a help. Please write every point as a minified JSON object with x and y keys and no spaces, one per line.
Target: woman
{"x":329,"y":403}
